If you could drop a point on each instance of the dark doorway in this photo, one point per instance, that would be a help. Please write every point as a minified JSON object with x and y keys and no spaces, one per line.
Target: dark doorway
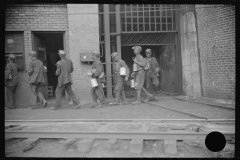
{"x":166,"y":57}
{"x":53,"y":43}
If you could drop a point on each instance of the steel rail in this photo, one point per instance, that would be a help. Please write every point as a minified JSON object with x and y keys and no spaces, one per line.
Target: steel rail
{"x":115,"y":135}
{"x":48,"y":121}
{"x":176,"y":110}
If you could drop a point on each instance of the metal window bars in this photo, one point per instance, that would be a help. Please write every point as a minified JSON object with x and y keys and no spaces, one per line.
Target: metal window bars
{"x":148,"y":18}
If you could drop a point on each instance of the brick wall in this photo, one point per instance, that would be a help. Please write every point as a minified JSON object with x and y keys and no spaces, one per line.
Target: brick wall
{"x":34,"y":17}
{"x":83,"y":38}
{"x":216,"y":37}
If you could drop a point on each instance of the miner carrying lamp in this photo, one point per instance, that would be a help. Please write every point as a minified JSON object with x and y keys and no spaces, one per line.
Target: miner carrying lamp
{"x":152,"y":81}
{"x":11,"y":80}
{"x":119,"y":79}
{"x":96,"y":72}
{"x":139,"y":75}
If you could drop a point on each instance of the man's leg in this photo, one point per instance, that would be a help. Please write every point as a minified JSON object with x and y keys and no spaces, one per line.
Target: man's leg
{"x":59,"y":93}
{"x":117,"y":90}
{"x":94,"y":97}
{"x":123,"y":95}
{"x":148,"y":83}
{"x":100,"y":94}
{"x":70,"y":92}
{"x":140,"y":78}
{"x":33,"y":96}
{"x":39,"y":94}
{"x":10,"y":97}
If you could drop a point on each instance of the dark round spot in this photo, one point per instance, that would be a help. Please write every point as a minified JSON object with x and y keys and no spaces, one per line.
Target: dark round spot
{"x":215,"y":141}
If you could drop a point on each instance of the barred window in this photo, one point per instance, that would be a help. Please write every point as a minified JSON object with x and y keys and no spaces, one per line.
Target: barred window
{"x":147,"y":17}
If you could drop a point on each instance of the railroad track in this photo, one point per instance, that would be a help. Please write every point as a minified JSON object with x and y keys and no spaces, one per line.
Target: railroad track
{"x":197,"y":112}
{"x":138,"y":131}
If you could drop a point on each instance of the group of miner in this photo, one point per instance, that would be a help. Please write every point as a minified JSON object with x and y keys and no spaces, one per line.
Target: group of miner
{"x":145,"y":69}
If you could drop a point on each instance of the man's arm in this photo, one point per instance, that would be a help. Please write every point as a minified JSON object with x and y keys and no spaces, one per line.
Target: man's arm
{"x":30,"y":69}
{"x":141,"y":62}
{"x":98,"y":71}
{"x":58,"y":71}
{"x":7,"y":71}
{"x":71,"y":66}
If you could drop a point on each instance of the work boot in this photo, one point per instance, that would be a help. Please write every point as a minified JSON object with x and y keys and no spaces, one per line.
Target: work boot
{"x":155,"y":98}
{"x":93,"y":105}
{"x":138,"y":101}
{"x":34,"y":107}
{"x":77,"y":106}
{"x":114,"y":103}
{"x":44,"y":103}
{"x":148,"y":99}
{"x":55,"y":108}
{"x":70,"y":103}
{"x":100,"y":105}
{"x":124,"y":103}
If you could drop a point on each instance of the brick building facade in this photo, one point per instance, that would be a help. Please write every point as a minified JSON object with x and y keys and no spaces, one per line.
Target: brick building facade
{"x":78,"y":27}
{"x":216,"y":37}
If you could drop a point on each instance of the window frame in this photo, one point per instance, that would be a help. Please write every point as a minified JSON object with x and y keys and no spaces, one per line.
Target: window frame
{"x":21,"y":68}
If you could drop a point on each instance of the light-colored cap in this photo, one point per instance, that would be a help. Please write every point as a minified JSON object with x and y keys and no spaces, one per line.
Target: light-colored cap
{"x":114,"y":54}
{"x":148,"y":50}
{"x":32,"y":54}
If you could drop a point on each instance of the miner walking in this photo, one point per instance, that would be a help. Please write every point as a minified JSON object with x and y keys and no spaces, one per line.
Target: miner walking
{"x":152,"y":81}
{"x":36,"y":72}
{"x":64,"y":70}
{"x":139,"y":75}
{"x":11,"y":80}
{"x":97,"y":73}
{"x":119,"y":79}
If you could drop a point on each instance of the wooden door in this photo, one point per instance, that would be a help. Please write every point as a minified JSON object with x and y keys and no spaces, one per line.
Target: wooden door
{"x":40,"y":48}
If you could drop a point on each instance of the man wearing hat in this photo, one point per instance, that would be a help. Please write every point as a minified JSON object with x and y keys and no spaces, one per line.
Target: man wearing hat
{"x":119,"y":80}
{"x":151,"y":73}
{"x":36,"y":72}
{"x":96,"y":72}
{"x":11,"y":80}
{"x":139,"y":74}
{"x":64,"y":70}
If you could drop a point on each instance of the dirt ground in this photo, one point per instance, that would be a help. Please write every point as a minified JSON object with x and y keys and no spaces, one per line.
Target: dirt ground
{"x":53,"y":147}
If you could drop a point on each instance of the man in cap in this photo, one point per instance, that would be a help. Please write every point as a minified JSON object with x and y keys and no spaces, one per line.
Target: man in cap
{"x":11,"y":80}
{"x":119,"y":80}
{"x":151,"y":73}
{"x":64,"y":70}
{"x":139,"y":74}
{"x":96,"y":71}
{"x":36,"y":72}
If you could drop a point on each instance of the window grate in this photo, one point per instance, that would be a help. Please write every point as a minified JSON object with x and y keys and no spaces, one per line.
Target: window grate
{"x":147,"y":38}
{"x":153,"y":17}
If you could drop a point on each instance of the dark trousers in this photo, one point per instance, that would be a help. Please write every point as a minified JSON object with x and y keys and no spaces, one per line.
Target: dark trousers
{"x":11,"y":90}
{"x":119,"y":89}
{"x":149,"y":84}
{"x":59,"y":92}
{"x":97,"y":93}
{"x":35,"y":92}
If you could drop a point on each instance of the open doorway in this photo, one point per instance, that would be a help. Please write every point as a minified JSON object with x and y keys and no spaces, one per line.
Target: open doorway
{"x":51,"y":42}
{"x":166,"y":57}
